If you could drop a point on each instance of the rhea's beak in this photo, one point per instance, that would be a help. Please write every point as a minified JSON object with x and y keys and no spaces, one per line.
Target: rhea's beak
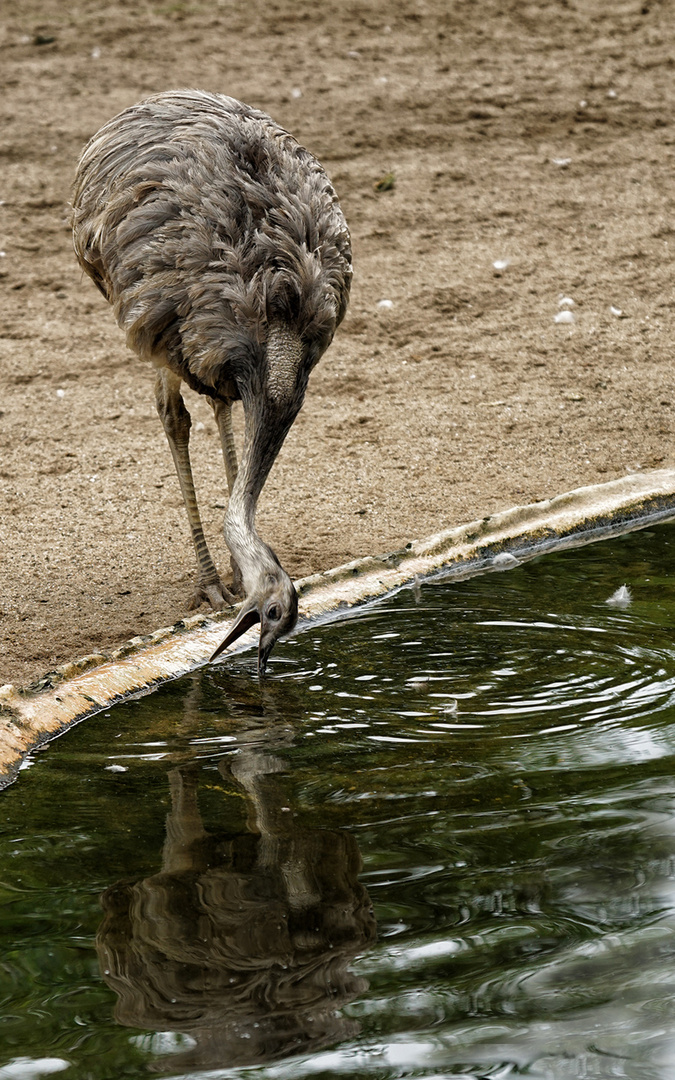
{"x":247,"y":617}
{"x":268,"y":636}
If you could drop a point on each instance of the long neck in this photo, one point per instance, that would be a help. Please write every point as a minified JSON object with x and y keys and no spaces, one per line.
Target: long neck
{"x":270,"y":407}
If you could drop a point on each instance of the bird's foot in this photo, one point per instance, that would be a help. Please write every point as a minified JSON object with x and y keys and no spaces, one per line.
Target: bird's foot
{"x":214,"y":593}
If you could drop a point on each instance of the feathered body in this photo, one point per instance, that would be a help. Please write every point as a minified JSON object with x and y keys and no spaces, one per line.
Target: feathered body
{"x":220,"y":244}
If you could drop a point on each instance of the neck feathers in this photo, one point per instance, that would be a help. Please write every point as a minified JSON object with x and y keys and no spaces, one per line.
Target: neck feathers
{"x":284,"y":363}
{"x":268,"y":417}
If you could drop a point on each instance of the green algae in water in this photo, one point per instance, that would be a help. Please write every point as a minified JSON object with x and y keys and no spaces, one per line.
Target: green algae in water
{"x":438,"y":842}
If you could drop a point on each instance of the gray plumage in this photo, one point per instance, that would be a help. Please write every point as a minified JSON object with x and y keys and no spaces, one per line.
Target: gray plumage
{"x":220,"y":244}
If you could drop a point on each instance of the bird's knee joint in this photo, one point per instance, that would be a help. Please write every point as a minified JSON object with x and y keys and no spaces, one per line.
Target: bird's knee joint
{"x":175,"y":418}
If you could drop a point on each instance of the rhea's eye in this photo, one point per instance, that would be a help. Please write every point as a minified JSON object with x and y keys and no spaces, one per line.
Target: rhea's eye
{"x":274,"y":612}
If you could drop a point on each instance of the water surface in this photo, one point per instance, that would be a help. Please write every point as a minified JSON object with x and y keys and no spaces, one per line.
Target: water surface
{"x":438,"y":842}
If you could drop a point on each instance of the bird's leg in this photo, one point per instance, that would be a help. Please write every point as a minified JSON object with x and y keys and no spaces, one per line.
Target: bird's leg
{"x":223,"y":414}
{"x":176,"y":421}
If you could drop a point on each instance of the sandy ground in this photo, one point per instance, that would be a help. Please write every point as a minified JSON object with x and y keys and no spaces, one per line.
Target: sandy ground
{"x":538,"y":134}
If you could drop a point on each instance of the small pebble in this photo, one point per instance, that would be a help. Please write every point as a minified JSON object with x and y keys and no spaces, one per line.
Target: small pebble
{"x":385,"y":305}
{"x":504,"y":561}
{"x":60,"y":393}
{"x":562,"y":162}
{"x":611,"y":93}
{"x":500,"y":264}
{"x":617,"y":311}
{"x":199,"y":426}
{"x":621,"y":598}
{"x":564,"y":317}
{"x":296,"y":92}
{"x":96,"y":53}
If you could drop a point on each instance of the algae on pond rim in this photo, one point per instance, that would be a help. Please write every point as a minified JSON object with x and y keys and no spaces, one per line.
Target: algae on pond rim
{"x":439,"y":841}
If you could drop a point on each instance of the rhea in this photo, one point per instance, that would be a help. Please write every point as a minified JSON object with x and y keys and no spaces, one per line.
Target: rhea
{"x":220,"y":244}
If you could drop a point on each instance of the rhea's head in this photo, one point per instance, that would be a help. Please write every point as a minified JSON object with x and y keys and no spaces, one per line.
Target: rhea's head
{"x":273,"y":602}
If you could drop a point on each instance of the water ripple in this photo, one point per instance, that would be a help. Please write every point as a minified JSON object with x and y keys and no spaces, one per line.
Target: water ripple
{"x":487,"y":775}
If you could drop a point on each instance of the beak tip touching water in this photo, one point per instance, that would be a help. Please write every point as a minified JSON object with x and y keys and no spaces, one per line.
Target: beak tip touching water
{"x":265,"y":647}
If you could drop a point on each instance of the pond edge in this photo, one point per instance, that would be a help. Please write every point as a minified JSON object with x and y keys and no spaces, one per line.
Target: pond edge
{"x":33,"y":715}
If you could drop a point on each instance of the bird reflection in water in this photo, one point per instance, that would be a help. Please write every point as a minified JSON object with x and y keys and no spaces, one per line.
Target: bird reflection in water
{"x":243,"y":940}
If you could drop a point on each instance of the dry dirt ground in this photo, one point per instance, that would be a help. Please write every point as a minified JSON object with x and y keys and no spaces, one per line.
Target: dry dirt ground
{"x":541,"y":134}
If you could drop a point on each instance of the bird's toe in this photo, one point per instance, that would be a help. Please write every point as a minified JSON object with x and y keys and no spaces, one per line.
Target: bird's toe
{"x":215,"y":593}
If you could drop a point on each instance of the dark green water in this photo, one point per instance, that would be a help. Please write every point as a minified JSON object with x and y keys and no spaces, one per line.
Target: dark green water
{"x":438,"y":842}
